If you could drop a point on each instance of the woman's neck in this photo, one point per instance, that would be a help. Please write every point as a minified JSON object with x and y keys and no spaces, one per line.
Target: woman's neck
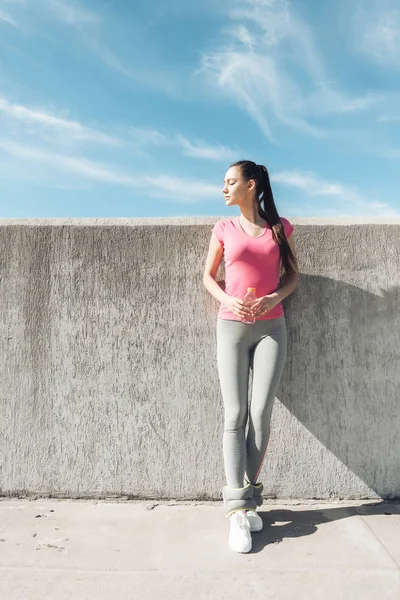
{"x":251,"y":215}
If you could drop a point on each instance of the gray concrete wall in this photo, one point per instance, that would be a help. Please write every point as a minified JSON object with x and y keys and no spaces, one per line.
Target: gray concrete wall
{"x":109,"y":383}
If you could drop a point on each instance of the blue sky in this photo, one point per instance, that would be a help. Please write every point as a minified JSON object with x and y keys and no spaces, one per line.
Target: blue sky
{"x":136,"y":109}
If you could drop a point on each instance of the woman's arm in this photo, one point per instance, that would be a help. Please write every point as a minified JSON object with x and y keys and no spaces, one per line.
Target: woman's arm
{"x":213,"y":260}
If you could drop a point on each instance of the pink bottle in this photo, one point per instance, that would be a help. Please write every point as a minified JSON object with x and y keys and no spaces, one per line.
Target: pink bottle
{"x":249,"y":299}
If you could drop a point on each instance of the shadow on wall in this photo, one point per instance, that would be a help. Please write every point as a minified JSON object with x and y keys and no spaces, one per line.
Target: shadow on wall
{"x":342,"y":375}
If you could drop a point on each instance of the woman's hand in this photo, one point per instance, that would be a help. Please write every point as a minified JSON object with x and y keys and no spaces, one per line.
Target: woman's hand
{"x":263,"y":305}
{"x":238,"y":307}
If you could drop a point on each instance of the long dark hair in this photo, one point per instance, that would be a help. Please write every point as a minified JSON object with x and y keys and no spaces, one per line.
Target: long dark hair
{"x":268,"y":212}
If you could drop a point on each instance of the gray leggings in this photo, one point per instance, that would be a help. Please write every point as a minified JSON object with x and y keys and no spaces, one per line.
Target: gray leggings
{"x":262,"y":347}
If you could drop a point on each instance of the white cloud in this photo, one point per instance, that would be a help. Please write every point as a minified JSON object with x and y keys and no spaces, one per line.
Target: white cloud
{"x":389,"y":118}
{"x":154,"y":76}
{"x":48,"y":121}
{"x":376,"y":29}
{"x":390,"y":152}
{"x":345,"y":200}
{"x":165,"y":186}
{"x":285,"y":80}
{"x":122,"y":44}
{"x":244,"y":35}
{"x":71,"y":13}
{"x":40,"y":122}
{"x":197,"y":148}
{"x":6,"y":18}
{"x":200,"y":149}
{"x":355,"y":104}
{"x":144,"y":136}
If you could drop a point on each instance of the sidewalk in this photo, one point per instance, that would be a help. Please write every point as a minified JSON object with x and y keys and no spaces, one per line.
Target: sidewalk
{"x":99,"y":549}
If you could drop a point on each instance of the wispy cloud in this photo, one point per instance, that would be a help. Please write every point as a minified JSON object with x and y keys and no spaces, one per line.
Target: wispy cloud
{"x":376,"y":29}
{"x":129,"y":63}
{"x":164,"y":186}
{"x":196,"y":148}
{"x":389,"y":118}
{"x":144,"y":136}
{"x":357,"y":104}
{"x":268,"y":63}
{"x":6,"y":18}
{"x":346,"y":200}
{"x":123,"y":47}
{"x":390,"y":152}
{"x":48,"y":121}
{"x":71,"y":13}
{"x":42,"y":123}
{"x":199,"y":149}
{"x":124,"y":52}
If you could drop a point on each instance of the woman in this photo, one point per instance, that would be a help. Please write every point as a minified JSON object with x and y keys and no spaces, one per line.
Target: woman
{"x":258,"y":248}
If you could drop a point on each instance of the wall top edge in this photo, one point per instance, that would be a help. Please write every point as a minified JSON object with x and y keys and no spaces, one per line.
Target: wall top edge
{"x":146,"y":221}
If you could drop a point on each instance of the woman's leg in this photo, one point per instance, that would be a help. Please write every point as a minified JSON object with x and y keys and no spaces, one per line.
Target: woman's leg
{"x":233,"y":367}
{"x":268,"y":364}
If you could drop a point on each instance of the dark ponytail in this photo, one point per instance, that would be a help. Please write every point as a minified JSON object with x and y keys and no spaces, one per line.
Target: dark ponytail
{"x":268,"y":212}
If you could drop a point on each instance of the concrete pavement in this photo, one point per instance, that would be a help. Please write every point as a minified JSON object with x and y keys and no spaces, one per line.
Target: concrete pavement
{"x":103,"y":549}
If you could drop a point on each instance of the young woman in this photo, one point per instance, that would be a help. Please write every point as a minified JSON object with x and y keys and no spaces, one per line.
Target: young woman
{"x":259,"y":252}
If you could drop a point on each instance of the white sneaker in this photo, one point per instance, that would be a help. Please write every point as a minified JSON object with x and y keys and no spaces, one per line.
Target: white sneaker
{"x":239,"y":532}
{"x":255,"y":521}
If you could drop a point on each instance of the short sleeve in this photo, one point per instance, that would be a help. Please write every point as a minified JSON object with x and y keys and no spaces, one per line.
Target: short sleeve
{"x":218,"y":229}
{"x":287,"y":227}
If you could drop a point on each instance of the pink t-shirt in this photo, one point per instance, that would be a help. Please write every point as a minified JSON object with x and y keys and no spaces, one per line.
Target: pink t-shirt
{"x":250,"y":262}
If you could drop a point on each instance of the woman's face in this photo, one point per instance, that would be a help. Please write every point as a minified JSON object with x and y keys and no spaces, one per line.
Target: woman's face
{"x":236,"y":190}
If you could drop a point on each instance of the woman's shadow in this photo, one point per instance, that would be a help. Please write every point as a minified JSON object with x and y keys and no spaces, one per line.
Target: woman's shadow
{"x":299,"y":523}
{"x":342,"y":383}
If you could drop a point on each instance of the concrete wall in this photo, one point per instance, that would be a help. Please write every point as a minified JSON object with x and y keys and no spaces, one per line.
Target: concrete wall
{"x":109,"y":382}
